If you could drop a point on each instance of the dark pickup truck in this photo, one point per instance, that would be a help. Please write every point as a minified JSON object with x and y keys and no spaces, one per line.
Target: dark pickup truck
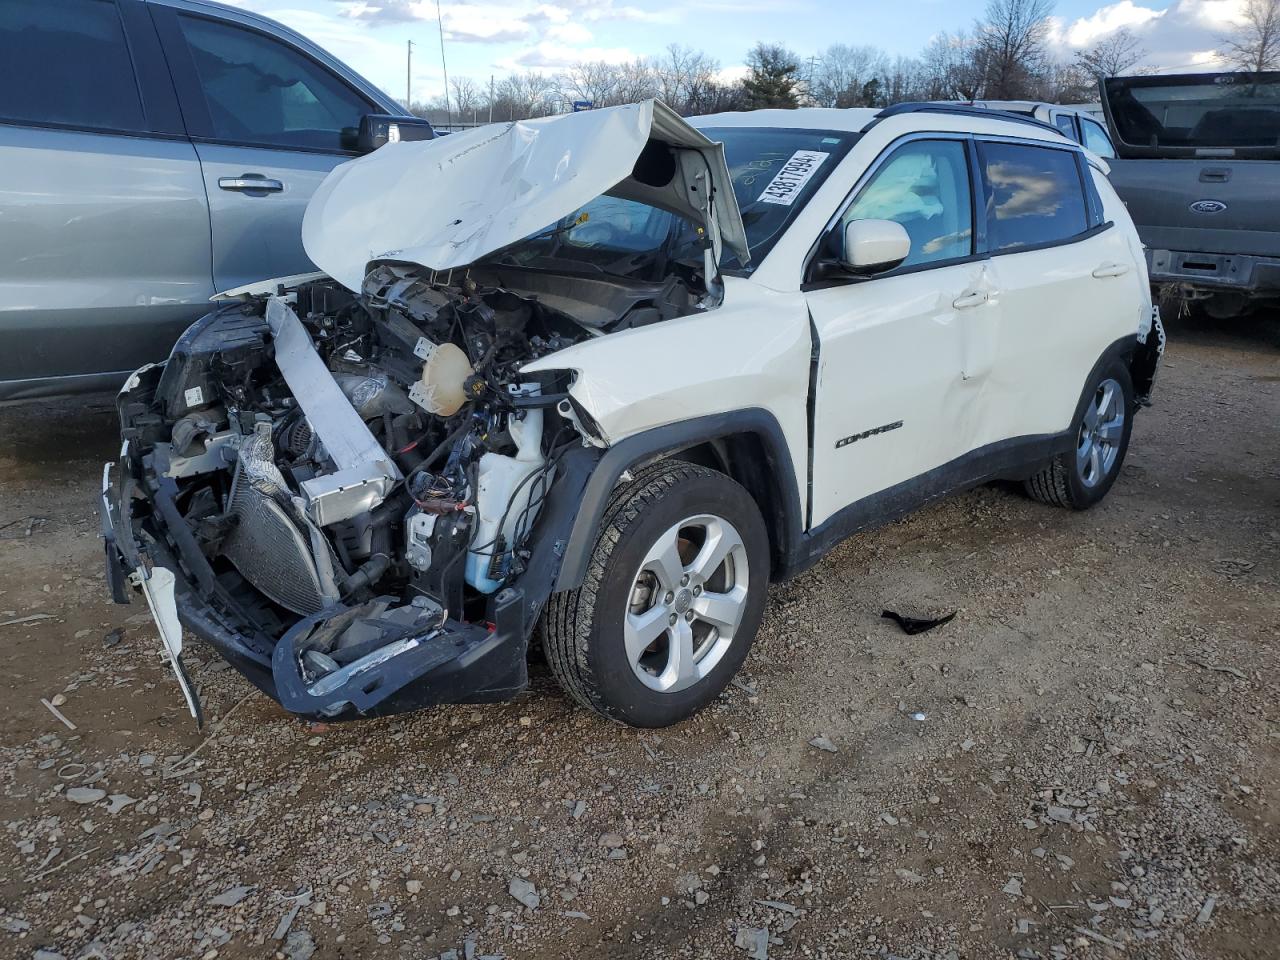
{"x":1198,"y":165}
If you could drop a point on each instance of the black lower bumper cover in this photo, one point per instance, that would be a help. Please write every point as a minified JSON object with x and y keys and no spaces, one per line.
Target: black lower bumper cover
{"x":461,"y":663}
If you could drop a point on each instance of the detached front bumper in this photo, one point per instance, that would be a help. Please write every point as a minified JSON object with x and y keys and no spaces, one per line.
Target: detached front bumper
{"x":149,"y":548}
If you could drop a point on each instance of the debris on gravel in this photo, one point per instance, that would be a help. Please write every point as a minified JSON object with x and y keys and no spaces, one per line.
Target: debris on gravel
{"x":1093,"y":773}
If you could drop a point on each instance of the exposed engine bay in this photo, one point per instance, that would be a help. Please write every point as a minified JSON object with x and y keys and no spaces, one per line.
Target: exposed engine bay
{"x":360,"y":471}
{"x":359,"y":485}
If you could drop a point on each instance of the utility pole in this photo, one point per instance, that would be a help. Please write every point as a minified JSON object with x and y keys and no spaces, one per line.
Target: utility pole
{"x":808,"y":80}
{"x":443,"y":65}
{"x":408,"y":73}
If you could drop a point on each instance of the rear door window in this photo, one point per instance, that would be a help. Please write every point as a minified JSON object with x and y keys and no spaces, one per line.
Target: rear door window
{"x":67,"y":62}
{"x":1033,"y":195}
{"x":262,"y":91}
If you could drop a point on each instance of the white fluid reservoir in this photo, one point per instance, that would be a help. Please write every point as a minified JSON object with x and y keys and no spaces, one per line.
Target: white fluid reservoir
{"x":508,"y":498}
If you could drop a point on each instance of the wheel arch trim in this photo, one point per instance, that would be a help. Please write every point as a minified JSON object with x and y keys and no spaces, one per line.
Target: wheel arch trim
{"x":782,"y":516}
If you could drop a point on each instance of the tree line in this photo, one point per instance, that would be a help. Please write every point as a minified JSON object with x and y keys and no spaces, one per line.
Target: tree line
{"x":1004,"y":55}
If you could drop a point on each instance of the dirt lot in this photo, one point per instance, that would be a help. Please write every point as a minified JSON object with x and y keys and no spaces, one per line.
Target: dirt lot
{"x":1084,"y":762}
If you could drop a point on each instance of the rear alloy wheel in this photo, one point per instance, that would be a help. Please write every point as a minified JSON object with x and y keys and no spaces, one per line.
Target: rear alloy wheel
{"x":1101,"y":433}
{"x":1079,"y":479}
{"x":672,"y":600}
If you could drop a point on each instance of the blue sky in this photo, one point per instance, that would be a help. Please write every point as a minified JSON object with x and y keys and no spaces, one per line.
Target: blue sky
{"x":484,"y":37}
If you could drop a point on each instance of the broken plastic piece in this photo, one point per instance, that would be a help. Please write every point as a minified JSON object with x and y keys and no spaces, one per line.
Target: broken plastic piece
{"x":914,"y":625}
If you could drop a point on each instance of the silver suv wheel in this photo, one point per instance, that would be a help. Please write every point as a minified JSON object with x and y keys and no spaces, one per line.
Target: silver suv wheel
{"x":687,"y":603}
{"x":1101,"y":433}
{"x":671,"y":600}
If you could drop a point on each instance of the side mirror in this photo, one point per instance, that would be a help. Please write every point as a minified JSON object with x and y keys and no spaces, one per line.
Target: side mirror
{"x":872,"y":246}
{"x":377,"y":129}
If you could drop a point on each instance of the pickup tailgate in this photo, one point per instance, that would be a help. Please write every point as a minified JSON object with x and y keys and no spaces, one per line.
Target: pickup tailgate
{"x":1204,"y":206}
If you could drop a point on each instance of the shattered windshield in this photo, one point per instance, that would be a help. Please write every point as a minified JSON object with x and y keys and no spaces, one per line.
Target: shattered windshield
{"x":774,"y":173}
{"x":1221,"y":110}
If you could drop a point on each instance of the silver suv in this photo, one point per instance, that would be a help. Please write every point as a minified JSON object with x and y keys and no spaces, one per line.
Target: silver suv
{"x":155,"y":152}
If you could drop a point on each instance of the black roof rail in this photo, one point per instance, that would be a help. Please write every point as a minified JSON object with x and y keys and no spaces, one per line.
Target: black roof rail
{"x":962,"y":111}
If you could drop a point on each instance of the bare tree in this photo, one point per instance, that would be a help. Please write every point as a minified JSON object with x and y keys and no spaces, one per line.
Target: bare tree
{"x":1011,"y":50}
{"x":466,"y":96}
{"x":1111,"y":56}
{"x":636,"y":82}
{"x":903,"y":80}
{"x":595,"y":81}
{"x":952,"y":68}
{"x":524,"y":95}
{"x":682,"y":76}
{"x":842,"y":74}
{"x":1255,"y":44}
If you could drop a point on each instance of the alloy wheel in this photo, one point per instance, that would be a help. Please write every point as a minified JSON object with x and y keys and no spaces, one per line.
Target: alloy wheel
{"x":686,"y":603}
{"x":1101,"y":433}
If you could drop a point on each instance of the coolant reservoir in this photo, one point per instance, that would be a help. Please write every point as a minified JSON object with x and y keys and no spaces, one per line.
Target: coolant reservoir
{"x":506,"y":485}
{"x":442,"y":388}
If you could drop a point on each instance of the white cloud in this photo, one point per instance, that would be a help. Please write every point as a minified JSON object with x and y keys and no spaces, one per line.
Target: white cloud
{"x":1088,"y":30}
{"x":1181,"y":36}
{"x":731,"y":75}
{"x":551,"y":55}
{"x":574,"y":33}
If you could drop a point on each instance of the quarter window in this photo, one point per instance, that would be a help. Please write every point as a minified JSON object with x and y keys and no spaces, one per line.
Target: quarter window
{"x":1063,"y":120}
{"x":923,"y":185}
{"x":1033,"y":195}
{"x":260,"y":90}
{"x":1096,"y":139}
{"x":66,"y":61}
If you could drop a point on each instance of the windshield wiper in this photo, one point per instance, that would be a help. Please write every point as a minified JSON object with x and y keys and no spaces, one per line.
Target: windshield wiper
{"x":559,"y":229}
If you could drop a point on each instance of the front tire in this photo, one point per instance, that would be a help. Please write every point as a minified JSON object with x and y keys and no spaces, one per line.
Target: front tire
{"x":672,"y":599}
{"x":1079,"y":479}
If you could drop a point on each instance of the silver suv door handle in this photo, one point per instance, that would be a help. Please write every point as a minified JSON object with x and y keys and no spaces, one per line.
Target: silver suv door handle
{"x":250,"y":183}
{"x":974,"y":299}
{"x":1111,"y":270}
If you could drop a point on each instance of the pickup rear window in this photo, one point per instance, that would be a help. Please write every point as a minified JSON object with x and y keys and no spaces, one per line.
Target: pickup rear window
{"x":1215,"y":111}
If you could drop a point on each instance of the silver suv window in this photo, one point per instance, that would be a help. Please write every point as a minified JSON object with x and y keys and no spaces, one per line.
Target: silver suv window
{"x":66,"y":62}
{"x":262,"y":91}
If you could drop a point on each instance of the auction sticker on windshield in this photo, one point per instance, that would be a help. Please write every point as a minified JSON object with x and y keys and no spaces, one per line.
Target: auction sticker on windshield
{"x":790,"y":180}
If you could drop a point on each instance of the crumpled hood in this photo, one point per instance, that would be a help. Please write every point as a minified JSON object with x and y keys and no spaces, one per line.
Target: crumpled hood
{"x":451,"y":201}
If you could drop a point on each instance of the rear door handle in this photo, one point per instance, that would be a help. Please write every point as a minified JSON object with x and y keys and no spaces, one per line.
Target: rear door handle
{"x":965,"y":300}
{"x":250,"y":182}
{"x":1111,"y":270}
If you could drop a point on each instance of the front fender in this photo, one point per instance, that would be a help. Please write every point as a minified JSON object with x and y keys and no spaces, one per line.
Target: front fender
{"x":752,"y":352}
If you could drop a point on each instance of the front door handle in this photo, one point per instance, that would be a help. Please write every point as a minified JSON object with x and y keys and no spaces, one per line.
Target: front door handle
{"x":1111,"y":270}
{"x":966,"y":300}
{"x":250,"y":182}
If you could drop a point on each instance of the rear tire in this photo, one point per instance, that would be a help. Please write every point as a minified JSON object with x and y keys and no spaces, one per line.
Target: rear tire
{"x":1080,"y":478}
{"x":672,"y":599}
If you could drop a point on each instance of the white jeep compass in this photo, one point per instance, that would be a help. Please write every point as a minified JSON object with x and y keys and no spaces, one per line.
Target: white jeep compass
{"x":607,"y":376}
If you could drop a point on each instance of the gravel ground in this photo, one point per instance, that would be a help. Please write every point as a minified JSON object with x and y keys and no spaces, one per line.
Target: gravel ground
{"x":1082,"y":763}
